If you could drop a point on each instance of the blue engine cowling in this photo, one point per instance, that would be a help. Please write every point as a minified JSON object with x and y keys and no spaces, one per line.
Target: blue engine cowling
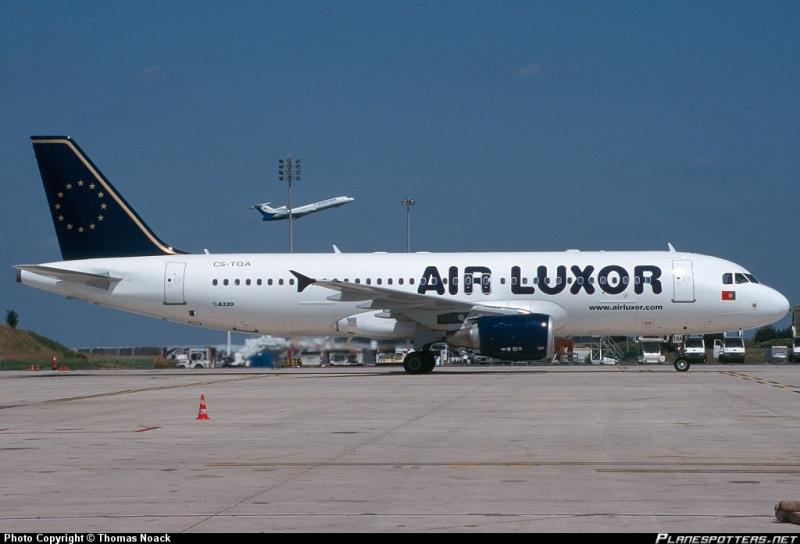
{"x":515,"y":337}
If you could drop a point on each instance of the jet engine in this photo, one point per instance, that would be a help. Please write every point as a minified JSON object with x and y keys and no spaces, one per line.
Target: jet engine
{"x":526,"y":337}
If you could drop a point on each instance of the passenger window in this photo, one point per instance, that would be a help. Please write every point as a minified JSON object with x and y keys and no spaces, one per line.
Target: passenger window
{"x":358,"y":280}
{"x":502,"y":281}
{"x":291,"y":281}
{"x":411,"y":281}
{"x":400,"y":281}
{"x":236,"y":281}
{"x":269,"y":281}
{"x":258,"y":281}
{"x":727,"y":278}
{"x":247,"y":282}
{"x":224,"y":282}
{"x":389,"y":281}
{"x":214,"y":282}
{"x":280,"y":281}
{"x":369,"y":281}
{"x":380,"y":281}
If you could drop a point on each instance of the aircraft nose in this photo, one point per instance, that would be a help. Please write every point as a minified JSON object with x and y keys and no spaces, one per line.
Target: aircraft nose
{"x":775,"y":304}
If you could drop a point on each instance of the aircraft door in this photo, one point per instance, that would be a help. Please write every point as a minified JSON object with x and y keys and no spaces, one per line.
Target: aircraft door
{"x":173,"y":283}
{"x":682,"y":281}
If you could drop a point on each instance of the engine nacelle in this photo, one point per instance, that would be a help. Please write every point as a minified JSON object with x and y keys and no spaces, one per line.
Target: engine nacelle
{"x":515,"y":337}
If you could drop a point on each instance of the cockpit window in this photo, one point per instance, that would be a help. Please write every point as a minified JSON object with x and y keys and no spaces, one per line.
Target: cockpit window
{"x":727,"y":278}
{"x":740,"y":278}
{"x":752,"y":278}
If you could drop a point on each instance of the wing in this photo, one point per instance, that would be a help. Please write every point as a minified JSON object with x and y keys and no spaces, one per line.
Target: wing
{"x":102,"y":281}
{"x":431,"y":311}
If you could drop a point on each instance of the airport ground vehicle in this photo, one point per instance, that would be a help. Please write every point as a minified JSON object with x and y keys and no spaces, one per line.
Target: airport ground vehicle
{"x":196,"y":358}
{"x":694,"y":349}
{"x":729,"y":350}
{"x":650,"y":350}
{"x":776,"y":354}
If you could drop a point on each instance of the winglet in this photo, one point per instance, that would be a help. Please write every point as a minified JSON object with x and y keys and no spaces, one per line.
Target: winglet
{"x":671,"y":247}
{"x":302,"y":281}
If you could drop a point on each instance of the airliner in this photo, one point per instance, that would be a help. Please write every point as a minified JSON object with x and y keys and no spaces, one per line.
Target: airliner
{"x":274,"y":214}
{"x":506,"y":305}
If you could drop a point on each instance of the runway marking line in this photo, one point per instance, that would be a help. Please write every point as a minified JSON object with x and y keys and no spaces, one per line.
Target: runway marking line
{"x":131,"y":391}
{"x":743,"y":376}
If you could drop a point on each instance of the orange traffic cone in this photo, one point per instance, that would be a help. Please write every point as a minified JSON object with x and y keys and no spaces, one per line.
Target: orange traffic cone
{"x":202,"y":413}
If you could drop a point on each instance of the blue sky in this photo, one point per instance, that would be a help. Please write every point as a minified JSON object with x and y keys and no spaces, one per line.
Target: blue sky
{"x":517,"y":126}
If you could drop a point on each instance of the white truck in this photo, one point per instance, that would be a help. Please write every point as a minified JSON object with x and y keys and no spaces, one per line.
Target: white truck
{"x":694,"y":349}
{"x":729,"y":349}
{"x":196,"y":358}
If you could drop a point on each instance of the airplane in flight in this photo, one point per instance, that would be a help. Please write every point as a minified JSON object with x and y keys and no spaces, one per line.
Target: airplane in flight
{"x":506,"y":305}
{"x":274,"y":214}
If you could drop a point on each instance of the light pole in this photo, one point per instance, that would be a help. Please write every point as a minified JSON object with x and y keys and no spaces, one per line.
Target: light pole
{"x":289,"y":170}
{"x":408,"y":202}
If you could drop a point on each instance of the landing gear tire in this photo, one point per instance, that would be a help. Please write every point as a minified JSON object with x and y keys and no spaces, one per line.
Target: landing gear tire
{"x":681,"y":365}
{"x":419,"y":362}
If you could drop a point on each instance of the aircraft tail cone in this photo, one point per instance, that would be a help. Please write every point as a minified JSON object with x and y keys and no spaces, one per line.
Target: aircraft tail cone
{"x":203,"y":412}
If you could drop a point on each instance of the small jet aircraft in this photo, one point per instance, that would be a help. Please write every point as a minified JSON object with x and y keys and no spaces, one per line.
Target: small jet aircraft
{"x":274,"y":214}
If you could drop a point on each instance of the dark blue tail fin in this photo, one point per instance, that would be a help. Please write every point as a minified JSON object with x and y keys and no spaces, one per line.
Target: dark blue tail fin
{"x":91,"y":218}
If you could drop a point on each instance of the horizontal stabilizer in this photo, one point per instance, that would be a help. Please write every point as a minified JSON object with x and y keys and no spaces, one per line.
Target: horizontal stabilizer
{"x":101,"y":281}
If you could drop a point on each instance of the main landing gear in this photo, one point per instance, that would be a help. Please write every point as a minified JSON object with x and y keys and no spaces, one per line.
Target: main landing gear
{"x":419,"y":362}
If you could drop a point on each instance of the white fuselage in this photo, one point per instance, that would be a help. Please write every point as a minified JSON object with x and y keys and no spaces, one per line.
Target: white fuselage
{"x":595,"y":293}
